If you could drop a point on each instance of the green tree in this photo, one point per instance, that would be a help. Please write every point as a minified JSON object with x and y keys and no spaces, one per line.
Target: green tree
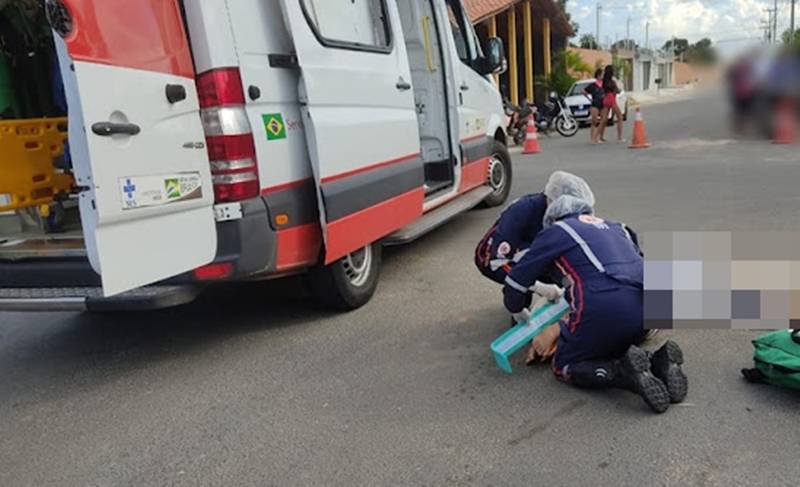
{"x":621,"y":67}
{"x":575,"y":63}
{"x":588,"y":41}
{"x":676,"y":46}
{"x":562,"y":5}
{"x":627,"y":44}
{"x":561,"y":79}
{"x":701,"y":52}
{"x":786,"y":37}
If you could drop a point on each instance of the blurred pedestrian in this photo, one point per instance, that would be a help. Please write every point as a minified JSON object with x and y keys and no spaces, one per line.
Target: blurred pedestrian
{"x":610,"y":92}
{"x":742,"y":92}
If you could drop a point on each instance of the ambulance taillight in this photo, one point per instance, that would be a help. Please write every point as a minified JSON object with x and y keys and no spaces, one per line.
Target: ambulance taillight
{"x":229,"y":135}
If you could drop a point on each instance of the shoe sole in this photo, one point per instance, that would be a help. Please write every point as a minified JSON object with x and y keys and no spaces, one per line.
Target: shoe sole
{"x":651,"y":388}
{"x":676,"y":381}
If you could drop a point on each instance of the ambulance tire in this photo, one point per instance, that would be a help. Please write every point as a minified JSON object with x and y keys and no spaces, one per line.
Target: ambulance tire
{"x":500,"y":158}
{"x":348,"y":283}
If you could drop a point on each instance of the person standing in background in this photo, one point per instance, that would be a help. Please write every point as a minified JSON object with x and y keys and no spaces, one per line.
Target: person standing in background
{"x":610,"y":92}
{"x":595,"y":94}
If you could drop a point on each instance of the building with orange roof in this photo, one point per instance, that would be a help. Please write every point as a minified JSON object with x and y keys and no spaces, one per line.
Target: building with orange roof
{"x":532,"y":31}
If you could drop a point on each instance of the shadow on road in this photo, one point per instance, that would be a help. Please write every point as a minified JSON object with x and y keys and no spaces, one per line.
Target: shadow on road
{"x":36,"y":349}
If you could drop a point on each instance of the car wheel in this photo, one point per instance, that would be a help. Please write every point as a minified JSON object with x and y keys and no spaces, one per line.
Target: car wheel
{"x":348,"y":283}
{"x":499,"y":176}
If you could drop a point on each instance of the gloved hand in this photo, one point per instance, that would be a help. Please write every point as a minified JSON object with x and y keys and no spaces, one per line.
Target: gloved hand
{"x":523,"y":316}
{"x":549,"y":291}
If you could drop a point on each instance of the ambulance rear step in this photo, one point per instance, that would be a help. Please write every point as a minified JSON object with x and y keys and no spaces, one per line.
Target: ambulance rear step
{"x":91,"y":298}
{"x":438,"y":217}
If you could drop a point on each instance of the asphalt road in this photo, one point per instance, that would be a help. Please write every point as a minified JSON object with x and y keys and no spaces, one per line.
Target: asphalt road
{"x":253,"y":386}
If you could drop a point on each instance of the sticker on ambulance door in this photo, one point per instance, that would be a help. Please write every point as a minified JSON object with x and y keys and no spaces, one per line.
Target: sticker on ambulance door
{"x":144,"y":191}
{"x":274,"y":126}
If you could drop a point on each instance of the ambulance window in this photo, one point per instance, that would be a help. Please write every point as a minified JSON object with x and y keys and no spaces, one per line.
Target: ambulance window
{"x":460,"y":31}
{"x":350,"y":24}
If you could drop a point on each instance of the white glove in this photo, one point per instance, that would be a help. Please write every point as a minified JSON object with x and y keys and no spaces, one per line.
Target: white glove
{"x":549,"y":291}
{"x":523,"y":316}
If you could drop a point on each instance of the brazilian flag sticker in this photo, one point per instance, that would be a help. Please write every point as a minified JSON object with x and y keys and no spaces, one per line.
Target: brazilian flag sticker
{"x":274,"y":126}
{"x":172,"y":188}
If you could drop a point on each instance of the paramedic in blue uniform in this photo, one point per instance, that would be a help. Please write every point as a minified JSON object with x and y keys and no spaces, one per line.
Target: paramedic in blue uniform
{"x":513,"y":232}
{"x":602,"y":272}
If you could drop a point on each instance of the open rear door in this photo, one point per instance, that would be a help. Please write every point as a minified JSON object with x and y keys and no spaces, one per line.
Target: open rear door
{"x":359,"y":117}
{"x":136,"y":139}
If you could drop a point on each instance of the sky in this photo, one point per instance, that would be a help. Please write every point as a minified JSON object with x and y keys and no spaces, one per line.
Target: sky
{"x":731,"y":24}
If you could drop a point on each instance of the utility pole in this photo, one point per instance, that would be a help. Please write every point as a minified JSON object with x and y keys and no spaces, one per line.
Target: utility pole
{"x":769,"y":25}
{"x":791,"y":23}
{"x":775,"y":23}
{"x":597,"y":26}
{"x":628,"y":35}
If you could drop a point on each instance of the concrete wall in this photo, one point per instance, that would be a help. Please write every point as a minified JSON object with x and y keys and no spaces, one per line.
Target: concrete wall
{"x":593,"y":58}
{"x":685,"y":73}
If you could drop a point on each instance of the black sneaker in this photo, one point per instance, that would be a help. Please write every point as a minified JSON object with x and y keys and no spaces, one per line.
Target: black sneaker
{"x":666,"y":365}
{"x":639,"y":379}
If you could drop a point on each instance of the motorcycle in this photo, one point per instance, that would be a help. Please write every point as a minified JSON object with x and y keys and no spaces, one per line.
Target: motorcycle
{"x":555,"y":114}
{"x":518,"y":119}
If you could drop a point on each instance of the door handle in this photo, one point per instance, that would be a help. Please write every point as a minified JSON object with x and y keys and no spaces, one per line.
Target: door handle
{"x":106,"y":129}
{"x":464,"y":87}
{"x":403,"y":86}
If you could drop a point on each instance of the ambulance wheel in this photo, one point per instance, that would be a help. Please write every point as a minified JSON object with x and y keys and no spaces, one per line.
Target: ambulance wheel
{"x":350,"y":282}
{"x":499,"y":176}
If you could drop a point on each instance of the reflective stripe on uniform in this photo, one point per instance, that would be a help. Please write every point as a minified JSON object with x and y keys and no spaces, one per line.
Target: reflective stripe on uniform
{"x":515,"y":285}
{"x":497,"y":263}
{"x":587,"y":251}
{"x":627,"y":233}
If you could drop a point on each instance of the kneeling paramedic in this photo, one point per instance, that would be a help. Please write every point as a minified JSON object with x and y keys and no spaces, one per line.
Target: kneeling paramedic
{"x":512,"y":234}
{"x":602,"y":270}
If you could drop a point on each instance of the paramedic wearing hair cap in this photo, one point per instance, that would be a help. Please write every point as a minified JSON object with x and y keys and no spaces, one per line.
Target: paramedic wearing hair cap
{"x":602,"y":271}
{"x":512,"y":234}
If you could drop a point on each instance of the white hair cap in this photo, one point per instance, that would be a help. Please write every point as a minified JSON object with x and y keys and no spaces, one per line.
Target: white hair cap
{"x":564,"y":183}
{"x":566,"y":205}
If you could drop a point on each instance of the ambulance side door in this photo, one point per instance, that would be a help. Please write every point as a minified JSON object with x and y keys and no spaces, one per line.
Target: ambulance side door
{"x":359,"y":117}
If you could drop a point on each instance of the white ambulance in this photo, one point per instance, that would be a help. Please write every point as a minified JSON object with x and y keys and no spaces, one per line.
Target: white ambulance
{"x":219,"y":140}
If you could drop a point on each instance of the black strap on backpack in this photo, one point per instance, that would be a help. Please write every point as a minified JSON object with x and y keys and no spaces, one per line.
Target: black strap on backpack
{"x":753,"y":376}
{"x":796,"y":336}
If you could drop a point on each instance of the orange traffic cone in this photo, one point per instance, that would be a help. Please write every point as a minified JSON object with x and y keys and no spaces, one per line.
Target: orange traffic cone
{"x":639,"y":140}
{"x":785,"y":129}
{"x":531,"y":139}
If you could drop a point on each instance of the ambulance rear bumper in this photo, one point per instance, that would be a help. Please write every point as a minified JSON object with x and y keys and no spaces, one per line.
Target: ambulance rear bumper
{"x":91,"y":298}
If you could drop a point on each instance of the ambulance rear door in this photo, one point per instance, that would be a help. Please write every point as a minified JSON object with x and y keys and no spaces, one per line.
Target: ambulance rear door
{"x":136,"y":139}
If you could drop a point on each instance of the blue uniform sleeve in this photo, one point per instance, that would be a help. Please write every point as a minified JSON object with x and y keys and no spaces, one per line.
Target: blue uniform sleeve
{"x":521,"y":221}
{"x":546,"y":248}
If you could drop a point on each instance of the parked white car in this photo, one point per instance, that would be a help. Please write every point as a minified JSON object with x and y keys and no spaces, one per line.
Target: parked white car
{"x":580,"y":104}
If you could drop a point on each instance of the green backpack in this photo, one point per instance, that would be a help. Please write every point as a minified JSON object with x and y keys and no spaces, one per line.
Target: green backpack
{"x":777,"y":359}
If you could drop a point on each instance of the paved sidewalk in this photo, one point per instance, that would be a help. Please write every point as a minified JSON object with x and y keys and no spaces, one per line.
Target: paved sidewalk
{"x":654,"y":97}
